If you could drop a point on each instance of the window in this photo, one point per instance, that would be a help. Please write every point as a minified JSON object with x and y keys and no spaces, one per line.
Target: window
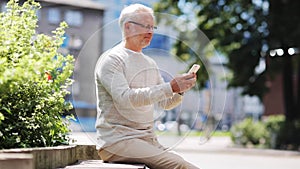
{"x":54,"y":15}
{"x":3,"y":7}
{"x":73,"y":18}
{"x":160,"y":42}
{"x":38,"y":14}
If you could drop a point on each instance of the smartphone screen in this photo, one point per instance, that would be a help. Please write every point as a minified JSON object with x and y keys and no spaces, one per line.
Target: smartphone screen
{"x":194,"y":69}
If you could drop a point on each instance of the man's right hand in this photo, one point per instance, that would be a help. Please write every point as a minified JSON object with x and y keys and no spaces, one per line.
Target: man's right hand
{"x":183,"y":83}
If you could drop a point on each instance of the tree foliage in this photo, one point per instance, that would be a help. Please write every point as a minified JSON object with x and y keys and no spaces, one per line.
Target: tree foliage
{"x":235,"y":28}
{"x":34,"y":78}
{"x":247,"y":31}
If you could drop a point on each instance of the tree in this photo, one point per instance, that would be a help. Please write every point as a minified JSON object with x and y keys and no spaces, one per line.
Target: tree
{"x":284,"y":28}
{"x":246,"y":31}
{"x":236,"y":28}
{"x":284,"y":36}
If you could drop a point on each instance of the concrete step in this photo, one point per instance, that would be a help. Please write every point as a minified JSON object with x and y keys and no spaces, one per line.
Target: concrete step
{"x":99,"y":164}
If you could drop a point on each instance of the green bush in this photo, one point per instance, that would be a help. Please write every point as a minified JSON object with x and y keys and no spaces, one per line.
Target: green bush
{"x":274,"y":124}
{"x":273,"y":132}
{"x":31,"y":100}
{"x":249,"y":132}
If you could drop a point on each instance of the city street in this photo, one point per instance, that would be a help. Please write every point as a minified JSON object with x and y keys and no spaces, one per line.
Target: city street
{"x":218,"y":153}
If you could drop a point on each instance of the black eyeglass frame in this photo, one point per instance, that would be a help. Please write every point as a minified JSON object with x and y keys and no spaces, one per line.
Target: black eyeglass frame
{"x":149,"y":27}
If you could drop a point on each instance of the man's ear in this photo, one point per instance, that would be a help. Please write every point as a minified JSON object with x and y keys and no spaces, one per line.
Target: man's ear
{"x":126,"y":28}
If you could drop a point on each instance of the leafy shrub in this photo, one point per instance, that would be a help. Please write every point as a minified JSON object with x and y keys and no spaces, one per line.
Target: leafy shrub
{"x":273,"y":132}
{"x":34,"y":78}
{"x":274,"y":124}
{"x":249,"y":132}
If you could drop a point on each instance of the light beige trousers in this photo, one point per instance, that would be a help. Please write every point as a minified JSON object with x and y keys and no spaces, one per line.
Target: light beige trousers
{"x":148,"y":152}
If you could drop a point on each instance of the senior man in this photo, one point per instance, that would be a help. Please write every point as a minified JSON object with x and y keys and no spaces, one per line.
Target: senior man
{"x":129,"y":84}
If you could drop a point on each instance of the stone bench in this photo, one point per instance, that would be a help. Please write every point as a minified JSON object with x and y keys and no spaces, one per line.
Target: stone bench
{"x":99,"y":164}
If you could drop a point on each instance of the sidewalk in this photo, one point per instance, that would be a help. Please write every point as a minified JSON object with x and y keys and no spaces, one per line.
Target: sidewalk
{"x":224,"y":145}
{"x":194,"y":144}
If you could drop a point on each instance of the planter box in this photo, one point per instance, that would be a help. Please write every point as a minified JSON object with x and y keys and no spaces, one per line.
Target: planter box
{"x":16,"y":161}
{"x":68,"y":157}
{"x":44,"y":157}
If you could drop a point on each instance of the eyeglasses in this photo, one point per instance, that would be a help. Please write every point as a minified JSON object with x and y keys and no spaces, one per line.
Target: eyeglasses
{"x":148,"y":27}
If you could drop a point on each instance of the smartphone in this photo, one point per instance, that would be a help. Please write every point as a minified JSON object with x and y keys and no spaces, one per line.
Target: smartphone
{"x":194,"y":69}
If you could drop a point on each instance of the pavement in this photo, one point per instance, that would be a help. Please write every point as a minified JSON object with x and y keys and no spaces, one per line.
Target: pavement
{"x":194,"y":144}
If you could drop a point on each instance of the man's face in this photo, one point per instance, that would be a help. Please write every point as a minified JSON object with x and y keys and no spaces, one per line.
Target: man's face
{"x":140,"y":30}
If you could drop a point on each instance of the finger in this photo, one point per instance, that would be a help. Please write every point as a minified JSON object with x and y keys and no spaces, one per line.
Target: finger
{"x":189,"y":76}
{"x":195,"y":75}
{"x":191,"y":80}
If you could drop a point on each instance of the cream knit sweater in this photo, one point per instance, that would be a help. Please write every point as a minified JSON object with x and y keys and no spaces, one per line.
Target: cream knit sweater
{"x":128,"y":84}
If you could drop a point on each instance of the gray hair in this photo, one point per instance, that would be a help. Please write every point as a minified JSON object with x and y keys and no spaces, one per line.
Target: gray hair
{"x":131,"y":11}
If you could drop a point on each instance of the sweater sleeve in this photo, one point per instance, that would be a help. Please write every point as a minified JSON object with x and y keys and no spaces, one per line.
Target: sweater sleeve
{"x":171,"y":102}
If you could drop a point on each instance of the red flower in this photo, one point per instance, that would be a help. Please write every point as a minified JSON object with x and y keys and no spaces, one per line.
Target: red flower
{"x":49,"y":77}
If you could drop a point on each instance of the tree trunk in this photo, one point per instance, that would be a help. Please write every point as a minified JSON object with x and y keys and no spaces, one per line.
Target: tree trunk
{"x":297,"y":106}
{"x":288,"y":88}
